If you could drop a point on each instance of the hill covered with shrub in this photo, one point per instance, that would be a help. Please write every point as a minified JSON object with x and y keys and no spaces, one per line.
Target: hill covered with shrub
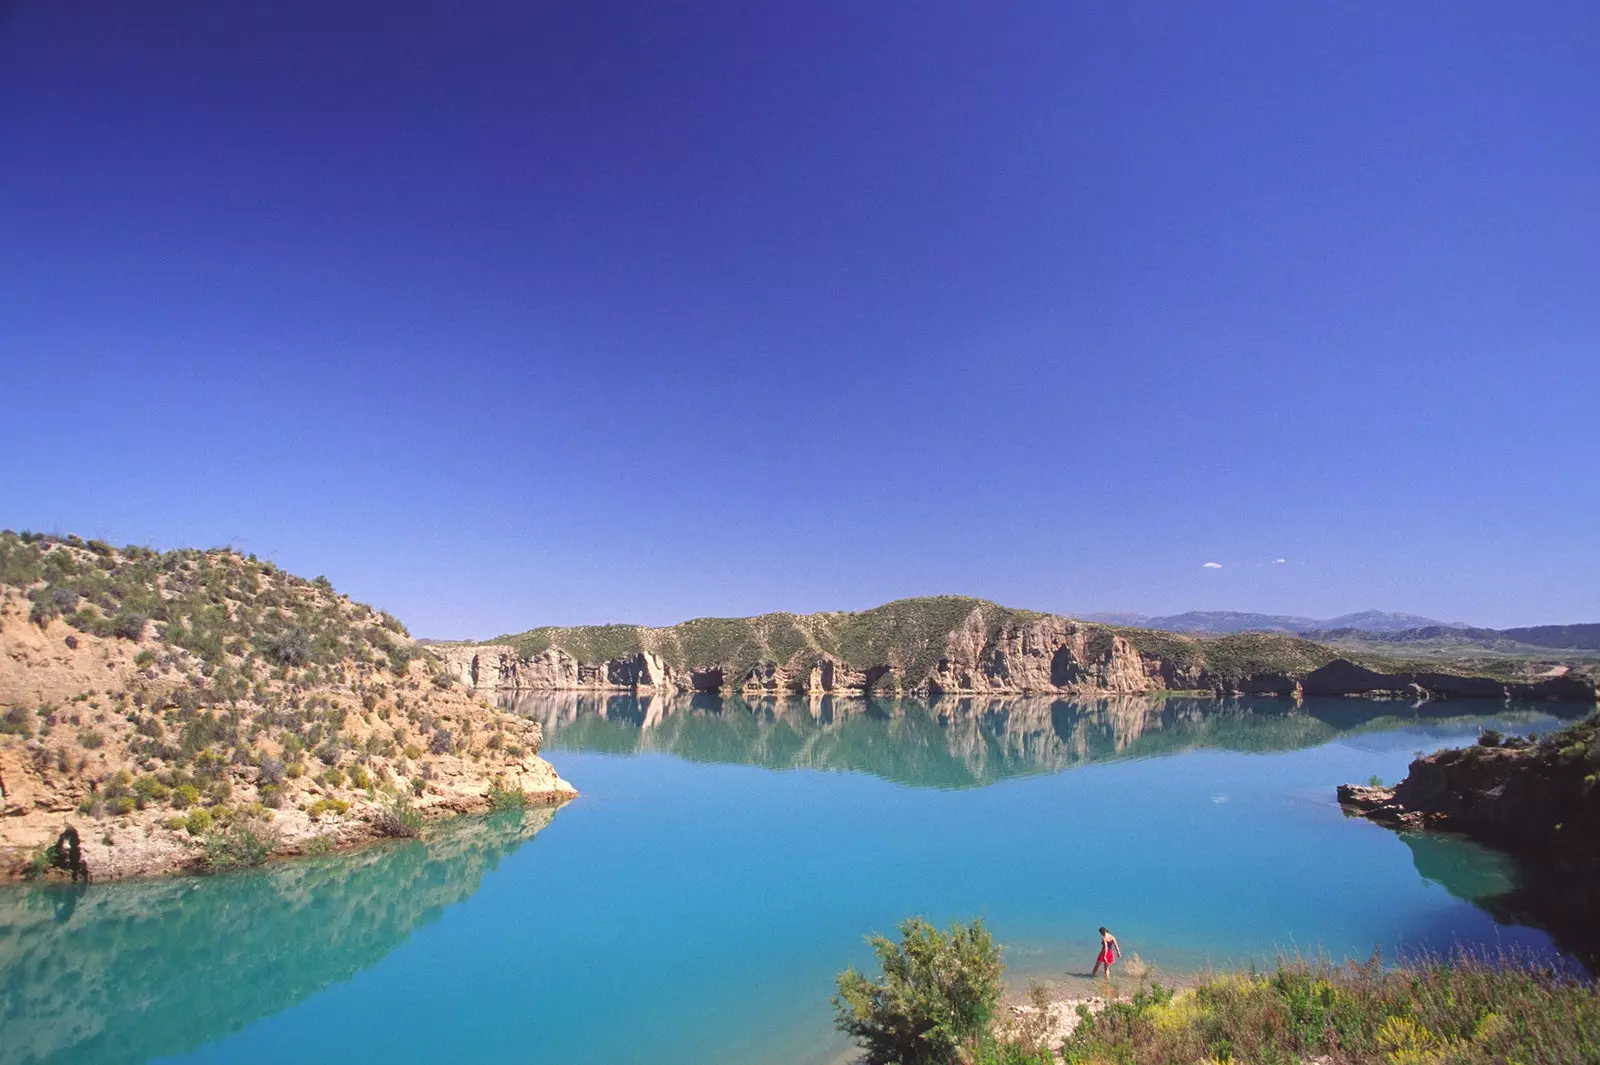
{"x":206,"y":708}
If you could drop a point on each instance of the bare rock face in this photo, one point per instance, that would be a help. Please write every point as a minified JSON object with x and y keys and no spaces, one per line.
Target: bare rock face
{"x":989,"y":650}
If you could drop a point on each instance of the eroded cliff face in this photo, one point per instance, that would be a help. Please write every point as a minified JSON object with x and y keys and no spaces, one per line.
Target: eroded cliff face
{"x":1049,"y":654}
{"x":989,"y":650}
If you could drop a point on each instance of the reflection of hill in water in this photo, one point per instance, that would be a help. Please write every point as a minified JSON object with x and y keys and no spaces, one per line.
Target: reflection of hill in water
{"x":957,"y":742}
{"x":127,"y":972}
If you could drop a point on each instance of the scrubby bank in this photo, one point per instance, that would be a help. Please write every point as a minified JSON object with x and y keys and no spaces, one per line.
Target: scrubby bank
{"x":205,"y":709}
{"x":937,"y":1001}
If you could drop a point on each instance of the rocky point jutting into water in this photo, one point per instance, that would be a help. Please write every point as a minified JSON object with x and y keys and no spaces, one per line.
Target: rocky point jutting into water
{"x":954,"y":645}
{"x":1537,"y":800}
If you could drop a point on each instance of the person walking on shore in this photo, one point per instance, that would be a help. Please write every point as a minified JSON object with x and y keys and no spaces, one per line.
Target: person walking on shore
{"x":1110,"y":951}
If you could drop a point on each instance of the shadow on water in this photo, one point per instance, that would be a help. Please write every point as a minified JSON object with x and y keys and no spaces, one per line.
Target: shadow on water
{"x":962,"y":742}
{"x":127,"y":972}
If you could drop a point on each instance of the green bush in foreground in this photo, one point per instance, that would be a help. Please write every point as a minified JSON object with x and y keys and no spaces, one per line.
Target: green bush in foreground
{"x":937,"y":996}
{"x":936,"y":1005}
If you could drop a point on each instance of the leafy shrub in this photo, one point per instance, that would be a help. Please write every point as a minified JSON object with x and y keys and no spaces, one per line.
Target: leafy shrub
{"x":504,"y":798}
{"x":291,"y":647}
{"x":936,"y":998}
{"x":1490,"y":738}
{"x":199,"y":822}
{"x":242,"y":844}
{"x":321,"y":807}
{"x":322,"y":843}
{"x":270,"y":771}
{"x":398,"y":819}
{"x":128,"y":624}
{"x":16,"y":722}
{"x":185,"y":796}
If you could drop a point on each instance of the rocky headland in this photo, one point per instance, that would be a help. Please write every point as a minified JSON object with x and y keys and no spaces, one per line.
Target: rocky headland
{"x":204,"y":709}
{"x":955,"y":645}
{"x":1538,"y":800}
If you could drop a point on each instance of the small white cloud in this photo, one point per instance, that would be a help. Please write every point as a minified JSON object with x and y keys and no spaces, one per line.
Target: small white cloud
{"x":1213,"y":565}
{"x":1279,"y":561}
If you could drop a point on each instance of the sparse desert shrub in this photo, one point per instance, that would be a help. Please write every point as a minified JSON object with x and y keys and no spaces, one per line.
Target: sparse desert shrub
{"x":322,"y":843}
{"x":413,"y":752}
{"x":442,"y":742}
{"x":244,"y":843}
{"x":270,"y":771}
{"x":333,"y":777}
{"x":128,"y":624}
{"x":90,"y":738}
{"x":122,"y":804}
{"x":398,"y":819}
{"x":291,"y":647}
{"x":185,"y":796}
{"x":199,"y":822}
{"x":16,"y":722}
{"x":504,"y":798}
{"x":322,"y":807}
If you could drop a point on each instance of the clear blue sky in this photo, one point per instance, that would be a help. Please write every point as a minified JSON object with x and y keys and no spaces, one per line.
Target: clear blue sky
{"x":558,"y":313}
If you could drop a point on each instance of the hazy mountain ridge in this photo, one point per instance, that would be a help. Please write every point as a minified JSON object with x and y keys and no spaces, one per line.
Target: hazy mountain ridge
{"x":1223,"y":621}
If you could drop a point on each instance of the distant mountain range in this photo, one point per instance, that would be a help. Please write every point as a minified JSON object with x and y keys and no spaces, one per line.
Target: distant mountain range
{"x":1377,"y":626}
{"x":1219,"y":621}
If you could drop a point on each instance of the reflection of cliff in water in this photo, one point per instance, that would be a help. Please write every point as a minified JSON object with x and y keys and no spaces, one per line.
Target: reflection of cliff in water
{"x":959,"y":741}
{"x":1469,"y":871}
{"x":129,"y":972}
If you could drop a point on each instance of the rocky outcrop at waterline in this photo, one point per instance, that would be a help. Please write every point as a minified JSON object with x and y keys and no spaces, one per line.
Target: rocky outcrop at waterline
{"x":950,"y":645}
{"x":1539,"y":801}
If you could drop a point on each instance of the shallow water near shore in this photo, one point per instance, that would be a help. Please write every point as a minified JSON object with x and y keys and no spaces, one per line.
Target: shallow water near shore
{"x":726,"y":858}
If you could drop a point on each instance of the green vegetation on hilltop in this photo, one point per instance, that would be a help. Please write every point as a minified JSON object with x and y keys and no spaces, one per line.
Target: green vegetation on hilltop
{"x":910,"y":634}
{"x":587,"y":643}
{"x":230,"y":611}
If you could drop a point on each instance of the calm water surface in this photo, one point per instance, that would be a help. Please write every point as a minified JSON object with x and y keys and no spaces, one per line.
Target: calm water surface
{"x":725,"y":860}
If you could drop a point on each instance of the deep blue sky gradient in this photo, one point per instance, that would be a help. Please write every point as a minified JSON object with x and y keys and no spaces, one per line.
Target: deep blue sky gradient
{"x":535,"y":313}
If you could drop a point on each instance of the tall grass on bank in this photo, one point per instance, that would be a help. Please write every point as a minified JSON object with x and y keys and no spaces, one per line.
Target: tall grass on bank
{"x":1462,"y":1011}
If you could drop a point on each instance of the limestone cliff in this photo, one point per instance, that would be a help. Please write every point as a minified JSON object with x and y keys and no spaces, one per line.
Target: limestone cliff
{"x":947,"y":645}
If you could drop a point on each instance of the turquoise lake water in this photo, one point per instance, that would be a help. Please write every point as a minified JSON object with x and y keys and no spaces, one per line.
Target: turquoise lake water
{"x":725,"y":860}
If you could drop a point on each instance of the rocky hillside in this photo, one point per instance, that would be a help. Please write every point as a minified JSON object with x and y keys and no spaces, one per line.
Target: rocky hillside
{"x":950,"y":644}
{"x":205,"y":708}
{"x":1538,"y":800}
